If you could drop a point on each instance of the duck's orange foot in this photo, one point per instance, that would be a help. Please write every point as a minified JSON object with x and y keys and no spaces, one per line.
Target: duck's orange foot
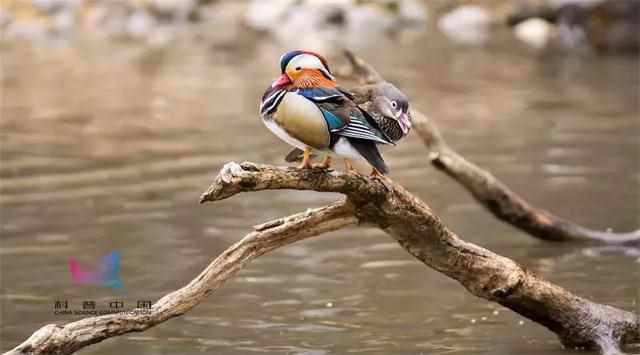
{"x":306,"y":159}
{"x":326,"y":163}
{"x":375,"y":173}
{"x":349,"y":167}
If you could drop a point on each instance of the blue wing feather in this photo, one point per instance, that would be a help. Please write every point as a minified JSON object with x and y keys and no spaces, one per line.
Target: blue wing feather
{"x":333,"y":121}
{"x":321,"y":97}
{"x":355,"y":125}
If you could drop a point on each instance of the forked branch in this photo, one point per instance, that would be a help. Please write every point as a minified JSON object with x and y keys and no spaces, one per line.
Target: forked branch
{"x":380,"y":202}
{"x":71,"y":337}
{"x":494,"y":195}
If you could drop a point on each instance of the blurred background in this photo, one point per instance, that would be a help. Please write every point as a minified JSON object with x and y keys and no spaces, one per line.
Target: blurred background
{"x":116,"y":115}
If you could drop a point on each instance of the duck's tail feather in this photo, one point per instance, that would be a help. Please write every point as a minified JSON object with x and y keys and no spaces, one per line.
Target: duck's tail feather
{"x":369,"y":150}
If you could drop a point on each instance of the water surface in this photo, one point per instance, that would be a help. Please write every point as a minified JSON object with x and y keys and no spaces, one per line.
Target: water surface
{"x":107,"y":146}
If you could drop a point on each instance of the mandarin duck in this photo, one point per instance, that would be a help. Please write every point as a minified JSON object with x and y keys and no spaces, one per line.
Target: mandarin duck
{"x":305,"y":108}
{"x":386,"y":104}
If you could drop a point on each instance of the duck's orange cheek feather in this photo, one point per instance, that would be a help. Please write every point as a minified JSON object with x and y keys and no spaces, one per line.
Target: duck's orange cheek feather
{"x":311,"y":78}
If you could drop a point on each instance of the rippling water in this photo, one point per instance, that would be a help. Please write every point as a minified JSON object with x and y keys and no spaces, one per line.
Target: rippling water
{"x":108,"y":146}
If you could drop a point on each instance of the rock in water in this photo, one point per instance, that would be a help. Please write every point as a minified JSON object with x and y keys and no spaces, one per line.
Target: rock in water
{"x":535,"y":32}
{"x":468,"y":24}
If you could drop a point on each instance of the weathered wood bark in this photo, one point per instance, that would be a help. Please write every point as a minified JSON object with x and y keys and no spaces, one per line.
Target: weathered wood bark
{"x":494,"y":195}
{"x":380,"y":202}
{"x":577,"y":322}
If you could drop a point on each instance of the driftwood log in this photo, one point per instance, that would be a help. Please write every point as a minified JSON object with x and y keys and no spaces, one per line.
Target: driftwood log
{"x":378,"y":201}
{"x":494,"y":195}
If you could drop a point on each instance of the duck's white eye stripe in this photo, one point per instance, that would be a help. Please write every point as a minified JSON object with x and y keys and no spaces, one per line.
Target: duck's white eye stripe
{"x":305,"y":61}
{"x":327,"y":74}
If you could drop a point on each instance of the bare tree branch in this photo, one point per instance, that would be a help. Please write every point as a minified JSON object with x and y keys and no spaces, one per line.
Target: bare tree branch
{"x":378,"y":201}
{"x":503,"y":202}
{"x":494,"y":195}
{"x":577,"y":321}
{"x":71,"y":337}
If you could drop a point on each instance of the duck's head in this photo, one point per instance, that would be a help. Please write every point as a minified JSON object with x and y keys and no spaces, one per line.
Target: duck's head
{"x":298,"y":64}
{"x":392,"y":103}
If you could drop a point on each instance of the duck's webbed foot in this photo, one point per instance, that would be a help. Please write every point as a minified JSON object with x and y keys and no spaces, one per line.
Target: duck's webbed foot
{"x":326,"y":163}
{"x":348,"y":166}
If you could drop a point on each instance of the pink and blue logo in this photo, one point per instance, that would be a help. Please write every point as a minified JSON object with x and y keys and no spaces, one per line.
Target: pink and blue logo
{"x":104,"y":274}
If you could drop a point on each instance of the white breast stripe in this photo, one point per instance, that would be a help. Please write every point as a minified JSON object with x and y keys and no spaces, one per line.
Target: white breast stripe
{"x":265,"y":101}
{"x":272,"y":101}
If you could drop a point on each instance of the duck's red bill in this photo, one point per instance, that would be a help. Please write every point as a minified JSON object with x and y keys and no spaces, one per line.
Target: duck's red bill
{"x":405,"y":122}
{"x":283,"y":80}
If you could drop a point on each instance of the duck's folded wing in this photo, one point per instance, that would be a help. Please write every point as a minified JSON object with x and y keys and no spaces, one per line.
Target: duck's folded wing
{"x":319,"y":95}
{"x":359,"y":127}
{"x":343,"y":116}
{"x":333,"y":104}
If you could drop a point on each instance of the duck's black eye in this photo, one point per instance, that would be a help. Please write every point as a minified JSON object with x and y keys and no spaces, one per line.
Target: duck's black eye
{"x":298,"y":68}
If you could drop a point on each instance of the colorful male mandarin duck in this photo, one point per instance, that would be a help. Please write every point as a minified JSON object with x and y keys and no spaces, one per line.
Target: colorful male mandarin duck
{"x":305,"y":108}
{"x":386,"y":104}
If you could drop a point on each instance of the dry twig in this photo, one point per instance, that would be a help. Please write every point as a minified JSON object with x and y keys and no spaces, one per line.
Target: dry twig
{"x":494,"y":195}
